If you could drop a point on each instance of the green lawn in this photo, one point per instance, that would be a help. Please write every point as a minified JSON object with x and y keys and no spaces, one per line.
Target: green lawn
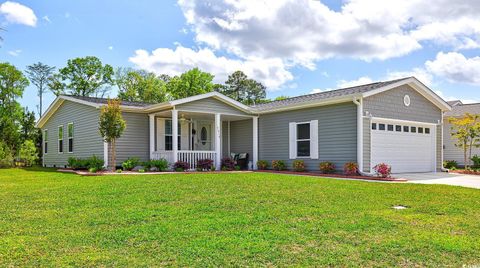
{"x":55,"y":219}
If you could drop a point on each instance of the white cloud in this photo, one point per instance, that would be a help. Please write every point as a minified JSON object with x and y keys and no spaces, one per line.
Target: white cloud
{"x":16,"y":13}
{"x":271,"y":72}
{"x":110,"y":48}
{"x":351,"y":83}
{"x":47,"y":19}
{"x":67,"y":15}
{"x":15,"y":53}
{"x":455,"y":67}
{"x":420,"y":73}
{"x":451,"y":98}
{"x":317,"y":90}
{"x":303,"y":32}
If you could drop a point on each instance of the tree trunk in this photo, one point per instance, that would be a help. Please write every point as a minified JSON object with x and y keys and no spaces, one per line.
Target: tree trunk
{"x":113,"y":155}
{"x":465,"y":155}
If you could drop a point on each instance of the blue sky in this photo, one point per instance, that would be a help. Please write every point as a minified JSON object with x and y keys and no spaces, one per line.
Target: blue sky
{"x":293,"y":47}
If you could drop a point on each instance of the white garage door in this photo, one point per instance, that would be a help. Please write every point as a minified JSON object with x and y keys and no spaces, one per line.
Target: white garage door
{"x":406,"y":147}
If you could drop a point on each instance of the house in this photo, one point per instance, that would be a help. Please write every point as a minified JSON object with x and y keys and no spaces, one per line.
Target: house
{"x":398,"y":122}
{"x":459,"y":109}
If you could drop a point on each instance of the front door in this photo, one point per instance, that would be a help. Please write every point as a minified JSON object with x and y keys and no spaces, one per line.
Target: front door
{"x":203,"y":136}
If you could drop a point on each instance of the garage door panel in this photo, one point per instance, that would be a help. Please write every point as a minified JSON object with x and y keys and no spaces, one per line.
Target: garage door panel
{"x":403,"y":151}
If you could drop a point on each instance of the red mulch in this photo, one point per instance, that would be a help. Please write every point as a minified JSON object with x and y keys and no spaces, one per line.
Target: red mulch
{"x":318,"y":174}
{"x":467,"y":172}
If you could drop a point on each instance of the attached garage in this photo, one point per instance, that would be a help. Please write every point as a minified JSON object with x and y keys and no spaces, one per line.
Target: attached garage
{"x":405,"y":146}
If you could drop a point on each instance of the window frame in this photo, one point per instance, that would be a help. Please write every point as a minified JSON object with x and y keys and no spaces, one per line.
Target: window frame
{"x":60,"y":139}
{"x":70,"y":138}
{"x":45,"y":141}
{"x":179,"y":133}
{"x":297,"y":139}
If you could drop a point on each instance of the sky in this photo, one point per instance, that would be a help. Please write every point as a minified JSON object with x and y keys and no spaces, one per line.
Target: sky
{"x":293,"y":47}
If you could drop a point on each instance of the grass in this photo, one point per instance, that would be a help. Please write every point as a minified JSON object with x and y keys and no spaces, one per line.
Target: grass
{"x":246,"y":219}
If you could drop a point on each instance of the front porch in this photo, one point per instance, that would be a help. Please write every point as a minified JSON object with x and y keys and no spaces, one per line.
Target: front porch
{"x":202,"y":135}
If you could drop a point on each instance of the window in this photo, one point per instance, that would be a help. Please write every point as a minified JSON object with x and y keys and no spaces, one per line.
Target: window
{"x":70,"y":137}
{"x":420,"y":130}
{"x":374,"y":126}
{"x":406,"y":129}
{"x":381,"y":126}
{"x":303,"y":140}
{"x":168,"y":136}
{"x":390,"y":127}
{"x":406,"y":100}
{"x":413,"y":129}
{"x":60,"y":139}
{"x":427,"y":130}
{"x":45,"y":141}
{"x":398,"y":128}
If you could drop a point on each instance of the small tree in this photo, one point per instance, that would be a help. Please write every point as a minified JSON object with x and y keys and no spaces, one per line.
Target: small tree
{"x":466,"y":131}
{"x":111,"y":126}
{"x":28,"y":152}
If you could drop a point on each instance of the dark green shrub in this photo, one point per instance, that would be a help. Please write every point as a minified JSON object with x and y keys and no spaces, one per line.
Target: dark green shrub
{"x":476,"y":161}
{"x":451,"y":164}
{"x":160,"y":164}
{"x":237,"y":168}
{"x":95,"y":162}
{"x":130,"y":163}
{"x":93,"y":170}
{"x":279,"y":165}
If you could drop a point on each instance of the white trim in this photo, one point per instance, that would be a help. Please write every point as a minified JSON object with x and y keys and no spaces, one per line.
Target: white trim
{"x":175,"y":135}
{"x":218,"y":146}
{"x":68,"y":138}
{"x":402,"y":121}
{"x":212,"y":113}
{"x":229,"y":148}
{"x":151,"y":120}
{"x":359,"y":103}
{"x":209,"y":95}
{"x":442,"y":139}
{"x":419,"y":87}
{"x":255,"y":142}
{"x":58,"y":139}
{"x":105,"y":154}
{"x":303,"y":105}
{"x":48,"y":113}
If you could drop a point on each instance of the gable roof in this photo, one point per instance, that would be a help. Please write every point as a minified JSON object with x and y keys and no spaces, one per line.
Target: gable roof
{"x":105,"y":101}
{"x":347,"y":94}
{"x":455,"y":102}
{"x":461,"y":109}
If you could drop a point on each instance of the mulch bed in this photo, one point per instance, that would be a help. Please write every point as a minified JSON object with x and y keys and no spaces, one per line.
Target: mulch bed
{"x":101,"y":173}
{"x":318,"y":174}
{"x":466,"y":172}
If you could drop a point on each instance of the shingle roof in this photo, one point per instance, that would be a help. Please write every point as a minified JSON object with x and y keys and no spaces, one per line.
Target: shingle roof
{"x":459,"y":110}
{"x":104,"y":101}
{"x":452,"y":102}
{"x":326,"y":95}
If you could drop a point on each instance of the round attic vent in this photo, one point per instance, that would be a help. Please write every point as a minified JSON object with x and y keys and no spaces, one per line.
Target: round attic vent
{"x":406,"y":100}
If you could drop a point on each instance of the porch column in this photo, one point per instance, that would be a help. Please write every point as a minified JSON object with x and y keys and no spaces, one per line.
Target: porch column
{"x":255,"y":142}
{"x":218,"y":148}
{"x":175,"y":135}
{"x":152,"y":134}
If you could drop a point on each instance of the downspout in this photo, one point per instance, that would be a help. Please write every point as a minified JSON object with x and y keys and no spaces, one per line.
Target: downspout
{"x":359,"y":102}
{"x":442,"y":149}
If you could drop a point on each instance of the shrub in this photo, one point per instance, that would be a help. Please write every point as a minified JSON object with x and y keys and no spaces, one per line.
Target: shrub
{"x":92,"y":170}
{"x":350,"y":168}
{"x":181,"y":166}
{"x":95,"y":162}
{"x":141,"y":171}
{"x":119,"y":171}
{"x":87,"y":163}
{"x":262,"y":164}
{"x":28,"y":153}
{"x":130,"y":163}
{"x":279,"y":165}
{"x":212,"y":168}
{"x":227,"y":164}
{"x":160,"y":164}
{"x":6,"y":157}
{"x":451,"y":164}
{"x":204,"y":164}
{"x":476,"y":161}
{"x":383,"y":170}
{"x":237,"y":168}
{"x":327,"y":167}
{"x":298,"y":165}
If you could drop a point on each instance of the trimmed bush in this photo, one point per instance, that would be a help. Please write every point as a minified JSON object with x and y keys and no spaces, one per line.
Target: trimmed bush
{"x":350,"y":168}
{"x":237,"y":168}
{"x":327,"y":167}
{"x":181,"y":166}
{"x":130,"y":163}
{"x":262,"y":164}
{"x":298,"y":165}
{"x":92,"y":170}
{"x":87,"y":163}
{"x":476,"y":161}
{"x":383,"y":170}
{"x":450,"y":164}
{"x":160,"y":164}
{"x":279,"y":165}
{"x":204,"y":164}
{"x":227,"y":164}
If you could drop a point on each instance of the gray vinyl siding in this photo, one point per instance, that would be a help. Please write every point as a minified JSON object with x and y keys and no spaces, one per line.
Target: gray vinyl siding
{"x":87,"y":140}
{"x":366,"y":144}
{"x":451,"y":152}
{"x":135,"y":140}
{"x":337,"y":134}
{"x":241,"y":133}
{"x":209,"y":105}
{"x":224,"y":139}
{"x":389,"y":104}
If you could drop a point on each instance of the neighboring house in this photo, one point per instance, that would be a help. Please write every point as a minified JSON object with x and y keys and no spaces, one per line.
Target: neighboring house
{"x":451,"y":152}
{"x":397,"y":122}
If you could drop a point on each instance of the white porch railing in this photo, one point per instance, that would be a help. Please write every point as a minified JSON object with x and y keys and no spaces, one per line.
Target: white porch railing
{"x":190,"y":157}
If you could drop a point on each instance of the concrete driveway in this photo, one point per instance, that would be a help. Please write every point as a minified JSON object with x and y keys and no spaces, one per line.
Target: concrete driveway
{"x":471,"y":181}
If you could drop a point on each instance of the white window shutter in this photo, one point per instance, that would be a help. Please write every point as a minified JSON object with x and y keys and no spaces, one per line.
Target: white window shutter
{"x":314,"y":139}
{"x":292,"y":136}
